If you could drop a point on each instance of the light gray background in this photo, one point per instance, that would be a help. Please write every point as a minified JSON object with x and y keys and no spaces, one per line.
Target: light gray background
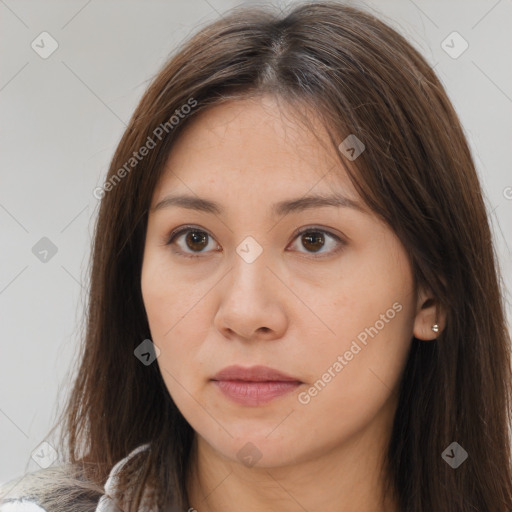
{"x":61,"y":119}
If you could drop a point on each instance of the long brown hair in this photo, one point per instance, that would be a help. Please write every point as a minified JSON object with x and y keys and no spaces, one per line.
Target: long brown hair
{"x":360,"y":77}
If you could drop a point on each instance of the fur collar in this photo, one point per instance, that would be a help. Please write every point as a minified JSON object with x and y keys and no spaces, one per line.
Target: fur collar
{"x":60,"y":489}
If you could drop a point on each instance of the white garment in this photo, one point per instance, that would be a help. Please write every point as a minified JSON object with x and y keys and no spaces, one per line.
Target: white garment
{"x":105,"y":504}
{"x":21,"y":506}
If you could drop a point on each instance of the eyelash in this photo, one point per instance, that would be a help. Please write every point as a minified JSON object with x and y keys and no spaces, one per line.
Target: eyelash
{"x":170,"y":239}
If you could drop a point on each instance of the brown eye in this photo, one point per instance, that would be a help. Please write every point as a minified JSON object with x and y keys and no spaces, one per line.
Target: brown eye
{"x":196,"y":240}
{"x":193,"y":242}
{"x":313,"y":240}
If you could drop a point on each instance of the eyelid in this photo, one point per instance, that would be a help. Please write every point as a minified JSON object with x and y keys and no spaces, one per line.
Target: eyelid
{"x":175,"y":233}
{"x":168,"y":239}
{"x":339,"y":239}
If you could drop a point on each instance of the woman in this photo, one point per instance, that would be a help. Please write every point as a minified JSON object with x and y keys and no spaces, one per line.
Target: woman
{"x":294,"y":298}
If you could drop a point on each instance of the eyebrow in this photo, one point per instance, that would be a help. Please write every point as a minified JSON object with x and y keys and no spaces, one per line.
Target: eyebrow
{"x":280,"y":208}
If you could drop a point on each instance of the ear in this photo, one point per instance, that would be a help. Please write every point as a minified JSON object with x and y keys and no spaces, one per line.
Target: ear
{"x":428,"y":313}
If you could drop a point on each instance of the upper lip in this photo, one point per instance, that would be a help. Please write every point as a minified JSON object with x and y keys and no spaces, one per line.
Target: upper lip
{"x":253,"y":374}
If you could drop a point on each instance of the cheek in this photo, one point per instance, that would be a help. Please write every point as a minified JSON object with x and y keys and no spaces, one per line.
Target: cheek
{"x":353,"y":381}
{"x":371,"y":312}
{"x":167,"y":299}
{"x":179,"y":322}
{"x":374,"y":294}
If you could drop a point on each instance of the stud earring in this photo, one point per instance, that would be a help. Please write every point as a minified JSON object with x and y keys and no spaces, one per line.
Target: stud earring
{"x":435,"y":328}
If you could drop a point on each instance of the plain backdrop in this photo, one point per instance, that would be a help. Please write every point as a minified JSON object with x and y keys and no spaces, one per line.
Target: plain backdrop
{"x":62,"y":116}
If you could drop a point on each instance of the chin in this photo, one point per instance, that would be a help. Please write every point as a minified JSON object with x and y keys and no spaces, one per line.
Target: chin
{"x":257,"y":448}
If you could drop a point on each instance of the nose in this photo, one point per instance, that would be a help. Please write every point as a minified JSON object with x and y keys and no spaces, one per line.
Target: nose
{"x":252,"y":302}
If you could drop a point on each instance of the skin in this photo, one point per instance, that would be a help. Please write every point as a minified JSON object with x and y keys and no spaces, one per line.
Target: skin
{"x":296,"y":308}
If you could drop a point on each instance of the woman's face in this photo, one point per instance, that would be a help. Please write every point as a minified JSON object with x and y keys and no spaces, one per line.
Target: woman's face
{"x":334,"y":308}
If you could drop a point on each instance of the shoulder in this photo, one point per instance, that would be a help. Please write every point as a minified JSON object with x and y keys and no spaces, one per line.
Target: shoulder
{"x":26,"y":494}
{"x":53,"y":489}
{"x":60,"y":489}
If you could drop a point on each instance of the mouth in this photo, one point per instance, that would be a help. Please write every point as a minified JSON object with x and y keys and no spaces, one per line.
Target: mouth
{"x":253,"y":386}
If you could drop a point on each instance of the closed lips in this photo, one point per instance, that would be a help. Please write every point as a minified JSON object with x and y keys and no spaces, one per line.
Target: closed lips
{"x":254,"y":386}
{"x":253,"y":374}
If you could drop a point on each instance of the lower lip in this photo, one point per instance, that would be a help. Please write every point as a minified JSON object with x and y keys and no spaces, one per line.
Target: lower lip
{"x":255,"y":393}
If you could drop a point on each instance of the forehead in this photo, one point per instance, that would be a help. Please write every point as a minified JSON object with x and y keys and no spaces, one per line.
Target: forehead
{"x":255,"y":145}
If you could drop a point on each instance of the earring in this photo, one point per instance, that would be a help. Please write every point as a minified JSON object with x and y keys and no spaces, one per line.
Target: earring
{"x":435,"y":328}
